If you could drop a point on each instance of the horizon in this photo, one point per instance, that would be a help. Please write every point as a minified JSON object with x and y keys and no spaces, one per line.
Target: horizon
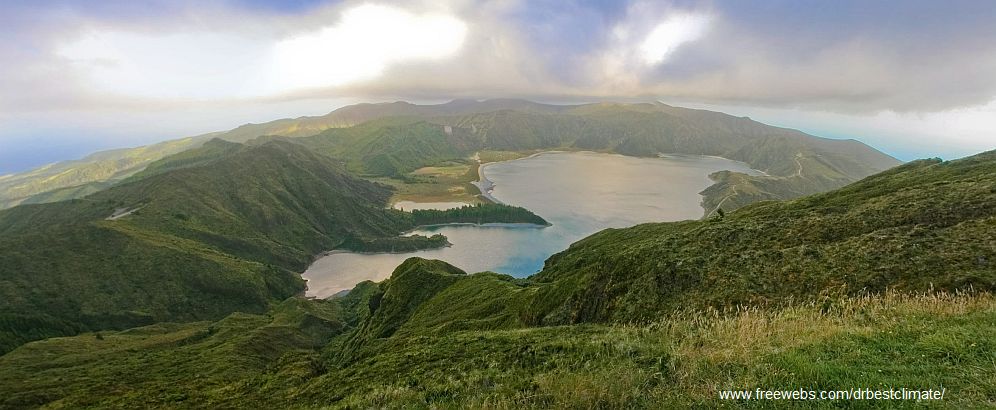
{"x":131,"y":75}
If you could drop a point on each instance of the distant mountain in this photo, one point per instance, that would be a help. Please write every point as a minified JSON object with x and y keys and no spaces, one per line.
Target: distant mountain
{"x":78,"y":178}
{"x":390,"y":139}
{"x":794,"y":163}
{"x":832,"y":290}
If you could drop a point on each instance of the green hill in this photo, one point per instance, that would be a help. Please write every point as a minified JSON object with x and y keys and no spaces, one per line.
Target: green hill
{"x":913,"y":228}
{"x":884,"y":283}
{"x":228,"y":230}
{"x":392,"y":147}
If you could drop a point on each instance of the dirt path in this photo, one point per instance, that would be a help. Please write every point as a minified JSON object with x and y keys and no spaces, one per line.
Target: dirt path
{"x":121,"y":213}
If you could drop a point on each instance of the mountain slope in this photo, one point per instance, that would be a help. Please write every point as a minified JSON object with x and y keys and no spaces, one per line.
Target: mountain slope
{"x":221,"y":228}
{"x":434,"y":336}
{"x":924,"y":225}
{"x":840,"y":291}
{"x":182,"y":245}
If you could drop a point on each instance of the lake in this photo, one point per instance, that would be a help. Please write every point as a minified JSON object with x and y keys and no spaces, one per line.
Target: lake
{"x":580,"y":193}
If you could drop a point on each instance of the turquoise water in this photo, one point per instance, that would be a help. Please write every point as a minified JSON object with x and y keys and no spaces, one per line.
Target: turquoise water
{"x":580,"y":193}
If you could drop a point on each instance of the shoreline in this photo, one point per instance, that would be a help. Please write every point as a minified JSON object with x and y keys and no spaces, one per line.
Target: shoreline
{"x":487,"y":193}
{"x":521,"y":225}
{"x":487,"y":186}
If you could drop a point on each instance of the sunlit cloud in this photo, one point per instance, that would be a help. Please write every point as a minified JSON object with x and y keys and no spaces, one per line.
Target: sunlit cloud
{"x":222,"y":65}
{"x":367,"y":40}
{"x":642,"y":43}
{"x":671,"y":34}
{"x":199,"y":65}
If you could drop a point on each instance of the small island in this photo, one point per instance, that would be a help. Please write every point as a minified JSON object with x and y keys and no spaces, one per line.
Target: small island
{"x":476,"y":214}
{"x":470,"y":214}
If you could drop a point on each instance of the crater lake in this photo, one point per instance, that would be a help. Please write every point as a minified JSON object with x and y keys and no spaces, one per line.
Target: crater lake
{"x":579,"y":193}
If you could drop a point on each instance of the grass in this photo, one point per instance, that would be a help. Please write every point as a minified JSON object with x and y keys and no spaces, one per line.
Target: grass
{"x":681,"y":360}
{"x":924,"y":225}
{"x":839,"y":292}
{"x":199,"y":247}
{"x":448,"y":182}
{"x":487,"y":156}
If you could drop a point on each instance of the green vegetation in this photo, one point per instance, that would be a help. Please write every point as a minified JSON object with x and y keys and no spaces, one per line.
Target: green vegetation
{"x":477,"y":214}
{"x":196,"y":246}
{"x":916,"y":227}
{"x":395,"y":244}
{"x":391,"y":147}
{"x":884,"y":283}
{"x":209,"y":152}
{"x":449,"y":181}
{"x":189,"y":244}
{"x":296,"y":356}
{"x":396,"y":139}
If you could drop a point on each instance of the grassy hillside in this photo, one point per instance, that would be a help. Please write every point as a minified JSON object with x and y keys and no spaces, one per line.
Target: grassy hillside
{"x":78,"y":178}
{"x":392,"y":147}
{"x":301,"y":355}
{"x":859,"y":287}
{"x":221,"y":228}
{"x":188,"y":244}
{"x":924,"y":225}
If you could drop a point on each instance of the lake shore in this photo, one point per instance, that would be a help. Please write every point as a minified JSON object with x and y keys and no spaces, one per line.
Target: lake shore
{"x":581,"y":193}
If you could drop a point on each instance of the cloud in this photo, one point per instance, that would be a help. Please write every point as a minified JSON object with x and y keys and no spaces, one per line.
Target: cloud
{"x":195,"y":65}
{"x":853,"y":56}
{"x":674,"y":32}
{"x":367,"y":40}
{"x":212,"y":64}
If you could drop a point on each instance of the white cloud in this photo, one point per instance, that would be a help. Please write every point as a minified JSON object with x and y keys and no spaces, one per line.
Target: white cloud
{"x":647,"y":37}
{"x":199,"y":65}
{"x":238,"y":64}
{"x":671,"y":34}
{"x":367,"y":40}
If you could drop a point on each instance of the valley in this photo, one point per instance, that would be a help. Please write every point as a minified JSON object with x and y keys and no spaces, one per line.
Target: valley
{"x":884,"y":282}
{"x":639,"y":253}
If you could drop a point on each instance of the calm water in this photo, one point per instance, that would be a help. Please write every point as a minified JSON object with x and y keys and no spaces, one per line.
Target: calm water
{"x":579,"y":193}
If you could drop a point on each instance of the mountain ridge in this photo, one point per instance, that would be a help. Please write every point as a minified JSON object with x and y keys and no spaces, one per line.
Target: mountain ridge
{"x":643,"y":129}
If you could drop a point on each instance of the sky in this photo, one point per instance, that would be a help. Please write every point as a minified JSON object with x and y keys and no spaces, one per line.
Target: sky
{"x":911,"y":78}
